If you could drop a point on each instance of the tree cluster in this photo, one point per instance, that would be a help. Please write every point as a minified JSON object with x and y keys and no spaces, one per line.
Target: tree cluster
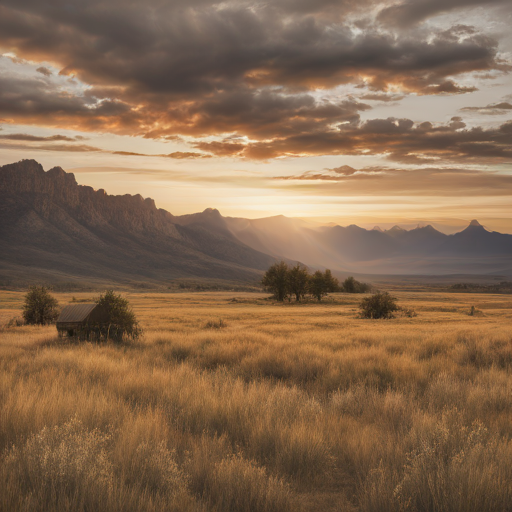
{"x":285,"y":282}
{"x":351,"y":285}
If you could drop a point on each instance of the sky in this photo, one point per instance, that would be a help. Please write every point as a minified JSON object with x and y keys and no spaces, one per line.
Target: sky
{"x":368,"y":112}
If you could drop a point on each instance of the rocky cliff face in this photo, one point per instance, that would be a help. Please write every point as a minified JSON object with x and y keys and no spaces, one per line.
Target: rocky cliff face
{"x":49,"y":223}
{"x":47,"y":192}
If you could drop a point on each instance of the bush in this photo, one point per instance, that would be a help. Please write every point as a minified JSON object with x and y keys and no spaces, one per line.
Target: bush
{"x":408,"y":312}
{"x":121,"y":319}
{"x":15,"y":322}
{"x":40,"y":307}
{"x":212,"y":324}
{"x":379,"y":305}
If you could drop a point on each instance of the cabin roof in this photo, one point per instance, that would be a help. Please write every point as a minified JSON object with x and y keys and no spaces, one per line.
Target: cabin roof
{"x":75,"y":312}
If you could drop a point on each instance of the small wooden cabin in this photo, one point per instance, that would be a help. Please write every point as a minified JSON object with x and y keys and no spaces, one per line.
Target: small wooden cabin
{"x":81,"y":320}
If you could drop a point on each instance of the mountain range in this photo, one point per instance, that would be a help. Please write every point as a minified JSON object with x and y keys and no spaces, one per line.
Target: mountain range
{"x":51,"y":229}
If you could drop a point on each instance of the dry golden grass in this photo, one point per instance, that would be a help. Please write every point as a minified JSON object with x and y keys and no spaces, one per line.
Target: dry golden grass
{"x":233,"y":403}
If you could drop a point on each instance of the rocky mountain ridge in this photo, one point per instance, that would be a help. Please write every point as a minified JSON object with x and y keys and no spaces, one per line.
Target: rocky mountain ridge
{"x":49,"y":223}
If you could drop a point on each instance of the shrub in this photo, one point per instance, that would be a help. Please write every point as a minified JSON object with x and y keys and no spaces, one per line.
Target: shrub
{"x":15,"y":322}
{"x":408,"y":312}
{"x":379,"y":305}
{"x":40,"y":307}
{"x":212,"y":324}
{"x":121,"y":319}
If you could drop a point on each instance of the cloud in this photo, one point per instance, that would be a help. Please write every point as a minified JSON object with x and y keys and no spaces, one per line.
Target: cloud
{"x":221,"y":148}
{"x":151,"y":67}
{"x":449,"y":87}
{"x":257,"y":70}
{"x":35,"y":138}
{"x":399,"y":140}
{"x":382,"y":96}
{"x":412,"y":12}
{"x":44,"y":71}
{"x":494,"y":109}
{"x":179,"y":155}
{"x":428,"y":181}
{"x":41,"y":102}
{"x":72,"y":148}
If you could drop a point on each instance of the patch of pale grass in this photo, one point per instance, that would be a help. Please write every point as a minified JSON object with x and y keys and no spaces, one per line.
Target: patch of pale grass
{"x":453,"y":467}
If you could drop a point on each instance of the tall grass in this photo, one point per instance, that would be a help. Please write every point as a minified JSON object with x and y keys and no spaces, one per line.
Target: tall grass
{"x":282,"y":409}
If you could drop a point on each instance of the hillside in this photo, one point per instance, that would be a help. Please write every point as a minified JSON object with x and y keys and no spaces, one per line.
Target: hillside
{"x":54,"y":230}
{"x":51,"y":226}
{"x":423,"y":250}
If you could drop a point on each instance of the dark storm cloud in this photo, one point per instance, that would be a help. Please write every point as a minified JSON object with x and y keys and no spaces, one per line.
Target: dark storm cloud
{"x":164,"y":69}
{"x":160,"y":51}
{"x":258,"y":114}
{"x":400,"y":140}
{"x":39,"y":101}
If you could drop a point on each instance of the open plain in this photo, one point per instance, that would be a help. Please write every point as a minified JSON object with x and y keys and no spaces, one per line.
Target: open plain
{"x":231,"y":402}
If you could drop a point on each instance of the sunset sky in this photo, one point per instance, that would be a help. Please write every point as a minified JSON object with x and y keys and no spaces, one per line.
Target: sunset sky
{"x":350,"y":111}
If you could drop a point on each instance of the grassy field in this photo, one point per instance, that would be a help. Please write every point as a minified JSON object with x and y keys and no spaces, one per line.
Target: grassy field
{"x":233,"y":403}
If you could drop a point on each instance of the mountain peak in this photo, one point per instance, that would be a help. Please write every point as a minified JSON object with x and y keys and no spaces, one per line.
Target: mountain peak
{"x":474,"y":222}
{"x":212,"y":211}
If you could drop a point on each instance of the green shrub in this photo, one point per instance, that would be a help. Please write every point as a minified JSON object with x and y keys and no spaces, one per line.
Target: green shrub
{"x":379,"y":305}
{"x":121,"y":321}
{"x":40,"y":307}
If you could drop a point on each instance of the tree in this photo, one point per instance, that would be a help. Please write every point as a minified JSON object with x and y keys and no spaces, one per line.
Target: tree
{"x":121,"y":319}
{"x":298,"y":278}
{"x":379,"y":305}
{"x":40,"y":307}
{"x":276,"y":280}
{"x":317,"y":285}
{"x":321,"y":284}
{"x":331,"y":283}
{"x":351,"y":285}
